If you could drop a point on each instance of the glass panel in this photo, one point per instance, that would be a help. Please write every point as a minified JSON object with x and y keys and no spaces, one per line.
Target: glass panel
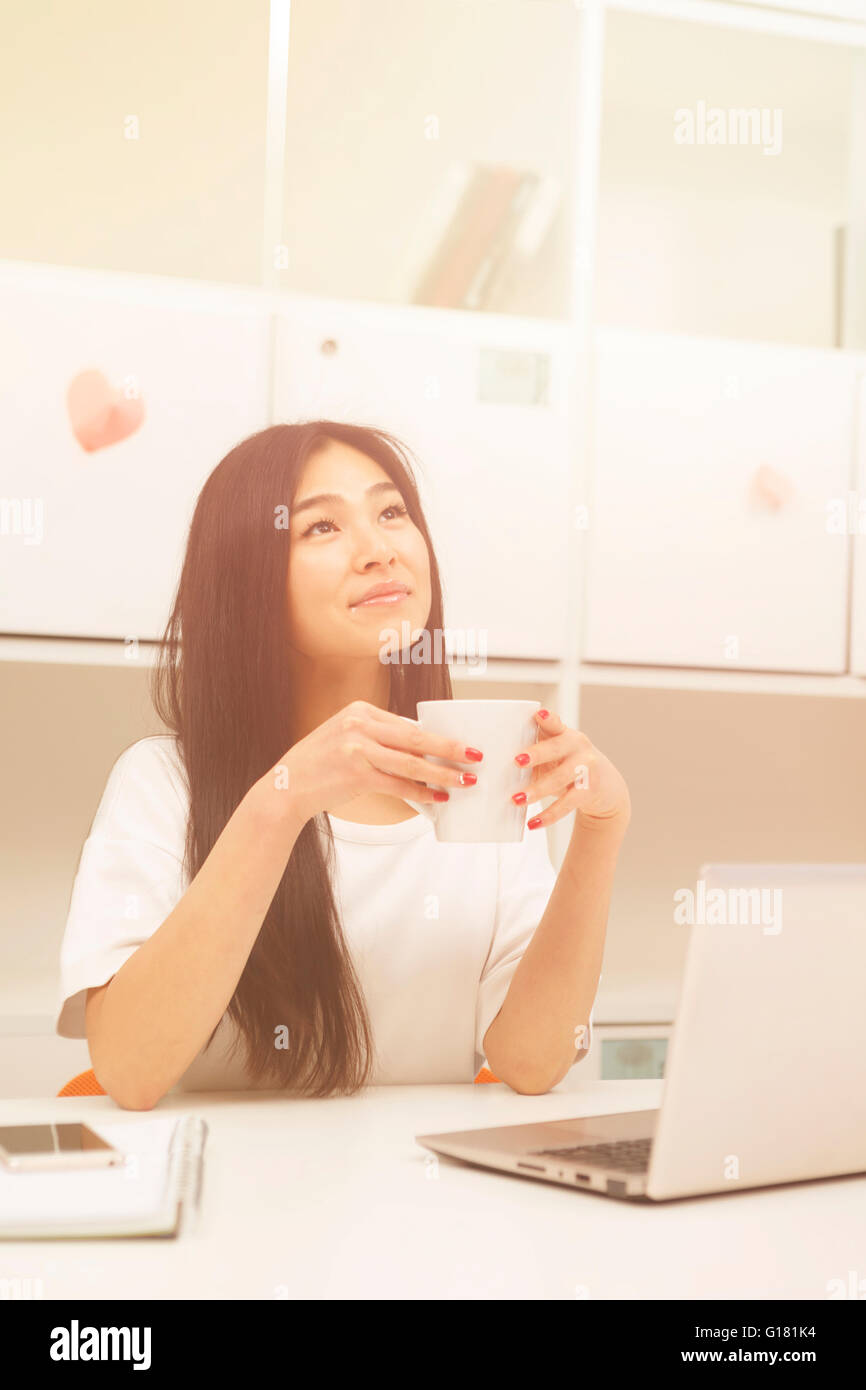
{"x":132,"y":136}
{"x":429,"y":146}
{"x":723,"y":181}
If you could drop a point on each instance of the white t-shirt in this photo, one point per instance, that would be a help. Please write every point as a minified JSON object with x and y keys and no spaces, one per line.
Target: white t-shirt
{"x":435,"y":931}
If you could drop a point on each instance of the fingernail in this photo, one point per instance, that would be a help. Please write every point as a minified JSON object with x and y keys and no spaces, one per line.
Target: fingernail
{"x":519,"y":797}
{"x":473,"y":755}
{"x":522,"y":758}
{"x":536,"y":820}
{"x":440,"y":796}
{"x":468,"y":779}
{"x":542,"y":713}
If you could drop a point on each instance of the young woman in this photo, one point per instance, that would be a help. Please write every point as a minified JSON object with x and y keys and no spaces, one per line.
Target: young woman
{"x":257,"y":903}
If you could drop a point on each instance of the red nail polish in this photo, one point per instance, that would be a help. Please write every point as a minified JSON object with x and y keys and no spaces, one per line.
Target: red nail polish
{"x":473,"y":755}
{"x":522,"y":758}
{"x":519,"y":797}
{"x":543,"y":713}
{"x":468,"y":779}
{"x":536,"y":820}
{"x":440,"y":796}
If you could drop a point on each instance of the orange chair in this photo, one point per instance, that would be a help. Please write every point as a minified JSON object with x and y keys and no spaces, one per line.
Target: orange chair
{"x":84,"y":1084}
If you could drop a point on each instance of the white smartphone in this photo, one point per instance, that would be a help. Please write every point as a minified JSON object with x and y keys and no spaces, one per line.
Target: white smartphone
{"x":28,"y":1148}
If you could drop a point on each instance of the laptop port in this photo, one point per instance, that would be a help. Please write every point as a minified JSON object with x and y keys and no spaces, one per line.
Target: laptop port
{"x":535,"y":1167}
{"x":581,"y":1177}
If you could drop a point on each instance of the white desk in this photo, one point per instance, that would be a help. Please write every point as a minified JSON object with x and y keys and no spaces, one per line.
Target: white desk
{"x":333,"y":1199}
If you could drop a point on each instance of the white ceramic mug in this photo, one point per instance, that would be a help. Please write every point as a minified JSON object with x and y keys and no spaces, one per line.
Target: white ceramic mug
{"x":500,"y":729}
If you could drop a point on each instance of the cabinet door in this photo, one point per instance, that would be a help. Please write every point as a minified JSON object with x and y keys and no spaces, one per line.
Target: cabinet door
{"x":717,"y":467}
{"x":94,"y":538}
{"x":481,"y":402}
{"x":856,"y":518}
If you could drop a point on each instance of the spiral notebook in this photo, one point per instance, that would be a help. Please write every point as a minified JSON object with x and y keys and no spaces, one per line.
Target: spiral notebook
{"x":154,"y":1192}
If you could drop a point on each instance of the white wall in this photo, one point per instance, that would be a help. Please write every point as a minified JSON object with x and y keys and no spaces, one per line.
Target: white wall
{"x":720,"y":240}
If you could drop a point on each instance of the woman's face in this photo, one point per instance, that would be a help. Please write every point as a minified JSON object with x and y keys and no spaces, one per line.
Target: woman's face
{"x":341,"y":547}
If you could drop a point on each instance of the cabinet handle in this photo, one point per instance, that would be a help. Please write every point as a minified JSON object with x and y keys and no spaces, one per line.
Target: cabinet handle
{"x":770,"y":488}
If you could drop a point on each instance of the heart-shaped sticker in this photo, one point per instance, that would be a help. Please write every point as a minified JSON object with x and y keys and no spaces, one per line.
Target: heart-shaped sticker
{"x":99,"y":413}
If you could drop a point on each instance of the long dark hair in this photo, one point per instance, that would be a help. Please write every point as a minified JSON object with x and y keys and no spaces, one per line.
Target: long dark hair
{"x":222,"y":686}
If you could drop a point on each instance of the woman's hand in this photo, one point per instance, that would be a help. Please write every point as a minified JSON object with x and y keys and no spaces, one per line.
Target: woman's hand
{"x":363,"y":749}
{"x":566,"y":765}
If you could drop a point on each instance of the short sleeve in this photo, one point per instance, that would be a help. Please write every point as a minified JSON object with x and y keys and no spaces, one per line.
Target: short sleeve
{"x":526,"y":881}
{"x":129,"y":876}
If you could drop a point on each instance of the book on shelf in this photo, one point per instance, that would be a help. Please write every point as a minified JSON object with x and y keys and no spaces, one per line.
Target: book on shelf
{"x":482,"y":230}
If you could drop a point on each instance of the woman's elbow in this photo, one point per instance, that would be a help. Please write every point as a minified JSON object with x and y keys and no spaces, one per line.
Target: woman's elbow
{"x":125,"y":1096}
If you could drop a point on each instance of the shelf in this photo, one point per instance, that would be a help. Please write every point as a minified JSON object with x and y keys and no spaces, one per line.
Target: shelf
{"x":82,"y":651}
{"x":75,"y":651}
{"x":728,"y":682}
{"x":516,"y":672}
{"x":632,"y":1003}
{"x":28,"y":1003}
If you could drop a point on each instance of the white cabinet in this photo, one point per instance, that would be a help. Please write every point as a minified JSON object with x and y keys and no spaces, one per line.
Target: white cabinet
{"x":481,"y":400}
{"x":716,"y":469}
{"x":93,"y":538}
{"x":856,"y":522}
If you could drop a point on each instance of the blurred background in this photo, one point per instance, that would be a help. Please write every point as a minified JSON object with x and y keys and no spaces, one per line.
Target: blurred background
{"x":601,"y":265}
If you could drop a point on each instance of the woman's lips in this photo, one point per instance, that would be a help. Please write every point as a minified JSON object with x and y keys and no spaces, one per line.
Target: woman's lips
{"x":381,"y":598}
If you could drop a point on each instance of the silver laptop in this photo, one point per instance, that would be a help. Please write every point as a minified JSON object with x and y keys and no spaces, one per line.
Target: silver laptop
{"x":764,"y":1075}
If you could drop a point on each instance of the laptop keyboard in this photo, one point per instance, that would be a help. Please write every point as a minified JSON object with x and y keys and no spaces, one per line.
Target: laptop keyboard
{"x":629,"y":1155}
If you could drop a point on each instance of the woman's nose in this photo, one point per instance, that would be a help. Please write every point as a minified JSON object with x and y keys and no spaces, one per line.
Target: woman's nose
{"x":376,"y":548}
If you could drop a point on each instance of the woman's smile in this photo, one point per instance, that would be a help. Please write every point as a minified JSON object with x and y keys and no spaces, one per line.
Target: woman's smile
{"x":382,"y":598}
{"x":389,"y":592}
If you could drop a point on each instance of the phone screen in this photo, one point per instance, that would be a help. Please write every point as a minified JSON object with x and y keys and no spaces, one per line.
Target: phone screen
{"x":19,"y":1140}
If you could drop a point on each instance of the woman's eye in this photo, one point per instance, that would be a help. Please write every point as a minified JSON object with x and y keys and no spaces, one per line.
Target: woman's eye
{"x":325,"y":521}
{"x":329,"y":521}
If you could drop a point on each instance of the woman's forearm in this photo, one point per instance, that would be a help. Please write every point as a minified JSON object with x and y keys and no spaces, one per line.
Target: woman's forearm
{"x":149,"y":1023}
{"x":531,"y":1042}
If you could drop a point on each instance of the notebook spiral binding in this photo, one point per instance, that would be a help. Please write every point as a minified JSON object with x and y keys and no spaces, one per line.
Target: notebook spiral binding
{"x":187,"y":1151}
